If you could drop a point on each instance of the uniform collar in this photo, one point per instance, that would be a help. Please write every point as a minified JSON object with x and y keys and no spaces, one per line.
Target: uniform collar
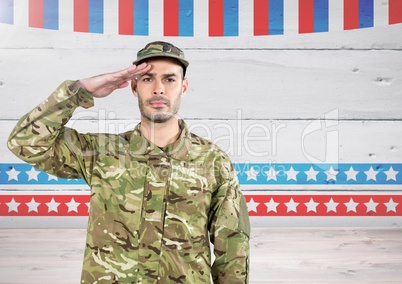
{"x":141,"y":148}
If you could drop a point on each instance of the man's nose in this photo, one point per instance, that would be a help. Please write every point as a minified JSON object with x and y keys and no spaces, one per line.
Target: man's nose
{"x":158,"y":88}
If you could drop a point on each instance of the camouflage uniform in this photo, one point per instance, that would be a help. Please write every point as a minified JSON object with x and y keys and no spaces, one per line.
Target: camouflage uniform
{"x":151,"y":209}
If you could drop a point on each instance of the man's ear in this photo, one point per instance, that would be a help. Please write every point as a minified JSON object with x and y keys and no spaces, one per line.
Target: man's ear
{"x":134,"y":87}
{"x":185,"y":87}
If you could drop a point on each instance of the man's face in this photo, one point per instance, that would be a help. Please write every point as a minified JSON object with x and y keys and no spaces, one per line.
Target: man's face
{"x":159,"y":91}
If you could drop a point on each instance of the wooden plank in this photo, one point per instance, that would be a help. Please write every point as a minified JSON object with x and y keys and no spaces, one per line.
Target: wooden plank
{"x":263,"y":84}
{"x":327,"y":255}
{"x":265,"y":141}
{"x":278,"y":255}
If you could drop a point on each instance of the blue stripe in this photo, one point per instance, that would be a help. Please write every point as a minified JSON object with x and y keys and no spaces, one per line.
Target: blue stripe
{"x":7,"y":11}
{"x":141,"y":17}
{"x":275,"y":17}
{"x":260,"y":170}
{"x":320,"y":16}
{"x":186,"y":17}
{"x":231,"y":18}
{"x":341,"y":177}
{"x":366,"y":13}
{"x":95,"y":16}
{"x":51,"y":14}
{"x":43,"y":178}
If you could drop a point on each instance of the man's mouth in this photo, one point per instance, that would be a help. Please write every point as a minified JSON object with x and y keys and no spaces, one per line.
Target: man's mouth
{"x":157,"y":104}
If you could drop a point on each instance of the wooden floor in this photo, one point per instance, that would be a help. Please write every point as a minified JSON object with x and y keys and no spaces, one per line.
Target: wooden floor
{"x":278,"y":255}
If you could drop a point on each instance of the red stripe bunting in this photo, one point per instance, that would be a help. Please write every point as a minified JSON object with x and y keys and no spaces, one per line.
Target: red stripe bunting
{"x":44,"y":205}
{"x":395,"y":11}
{"x":36,"y":13}
{"x":324,"y":205}
{"x":261,"y":17}
{"x":81,"y":16}
{"x":306,"y":16}
{"x":171,"y":17}
{"x":351,"y":14}
{"x":126,"y":17}
{"x":216,"y":18}
{"x":258,"y":205}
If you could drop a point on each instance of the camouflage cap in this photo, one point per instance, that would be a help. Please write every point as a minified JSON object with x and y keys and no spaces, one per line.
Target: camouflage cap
{"x":161,"y":48}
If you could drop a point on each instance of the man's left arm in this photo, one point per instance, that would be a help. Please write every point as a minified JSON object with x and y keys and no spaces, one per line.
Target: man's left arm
{"x":230,"y":230}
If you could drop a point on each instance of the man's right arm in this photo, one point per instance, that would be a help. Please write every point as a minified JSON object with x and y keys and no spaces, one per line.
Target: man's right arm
{"x":41,"y":139}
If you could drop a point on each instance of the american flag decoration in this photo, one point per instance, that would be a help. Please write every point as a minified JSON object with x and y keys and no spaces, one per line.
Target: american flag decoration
{"x":223,"y":16}
{"x":88,"y":16}
{"x":271,"y":180}
{"x":44,"y":14}
{"x":133,"y":17}
{"x":268,"y":17}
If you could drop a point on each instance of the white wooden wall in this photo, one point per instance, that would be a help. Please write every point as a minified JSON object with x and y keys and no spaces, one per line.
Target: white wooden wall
{"x":329,"y":100}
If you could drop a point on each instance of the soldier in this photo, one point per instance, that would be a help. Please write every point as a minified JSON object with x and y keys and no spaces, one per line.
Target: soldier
{"x":159,"y":194}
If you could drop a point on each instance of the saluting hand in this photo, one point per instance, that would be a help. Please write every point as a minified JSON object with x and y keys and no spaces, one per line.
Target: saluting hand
{"x":103,"y":85}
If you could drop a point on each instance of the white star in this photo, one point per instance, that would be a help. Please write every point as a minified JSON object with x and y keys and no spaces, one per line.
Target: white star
{"x":371,"y":174}
{"x":52,"y":178}
{"x":311,"y":174}
{"x":32,"y":205}
{"x":391,"y":205}
{"x":12,"y":174}
{"x":73,"y":205}
{"x":351,"y":205}
{"x":252,"y":205}
{"x":311,"y":205}
{"x":12,"y":205}
{"x":291,"y":205}
{"x":52,"y":205}
{"x":371,"y":205}
{"x":331,"y":174}
{"x":271,"y":174}
{"x":291,"y":174}
{"x":331,"y":205}
{"x":87,"y":204}
{"x":391,"y":174}
{"x":271,"y":205}
{"x":32,"y":174}
{"x":252,"y":174}
{"x":351,"y":174}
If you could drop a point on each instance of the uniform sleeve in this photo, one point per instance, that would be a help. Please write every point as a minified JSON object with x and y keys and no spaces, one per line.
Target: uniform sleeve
{"x":41,"y":139}
{"x":229,"y":230}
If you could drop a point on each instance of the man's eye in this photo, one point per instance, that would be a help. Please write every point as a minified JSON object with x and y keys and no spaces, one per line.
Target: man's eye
{"x":146,"y":79}
{"x":170,"y":80}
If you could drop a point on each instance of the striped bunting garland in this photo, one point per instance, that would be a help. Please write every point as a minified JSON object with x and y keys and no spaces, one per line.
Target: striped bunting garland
{"x":248,"y":174}
{"x":178,"y":16}
{"x":48,"y":204}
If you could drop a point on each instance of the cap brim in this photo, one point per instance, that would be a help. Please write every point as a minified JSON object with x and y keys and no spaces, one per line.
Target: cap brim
{"x":181,"y":60}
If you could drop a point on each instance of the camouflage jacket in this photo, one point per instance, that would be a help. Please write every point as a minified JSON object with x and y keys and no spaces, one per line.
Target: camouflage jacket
{"x":153,"y":212}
